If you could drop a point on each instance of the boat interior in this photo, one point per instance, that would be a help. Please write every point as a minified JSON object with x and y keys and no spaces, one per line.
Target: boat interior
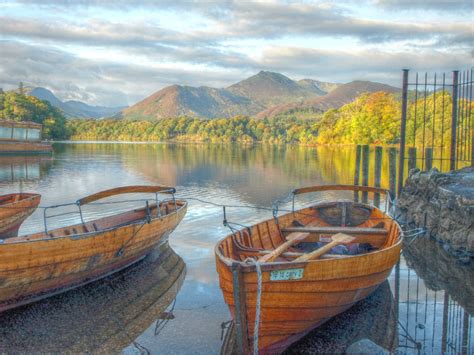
{"x":138,"y":215}
{"x":369,"y":229}
{"x":13,"y":198}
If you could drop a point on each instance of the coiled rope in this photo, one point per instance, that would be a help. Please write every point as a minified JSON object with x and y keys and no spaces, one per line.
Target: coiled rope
{"x":257,"y":307}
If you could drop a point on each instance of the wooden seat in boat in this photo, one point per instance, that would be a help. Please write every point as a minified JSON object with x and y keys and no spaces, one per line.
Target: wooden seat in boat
{"x":334,"y":230}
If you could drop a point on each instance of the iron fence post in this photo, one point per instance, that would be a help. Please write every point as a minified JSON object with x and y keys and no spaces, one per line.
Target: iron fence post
{"x":454,"y":116}
{"x":403,"y":126}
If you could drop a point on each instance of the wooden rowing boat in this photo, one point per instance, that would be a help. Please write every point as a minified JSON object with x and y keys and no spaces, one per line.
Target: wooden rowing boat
{"x":14,"y":209}
{"x":302,"y":290}
{"x":39,"y":265}
{"x":103,"y":317}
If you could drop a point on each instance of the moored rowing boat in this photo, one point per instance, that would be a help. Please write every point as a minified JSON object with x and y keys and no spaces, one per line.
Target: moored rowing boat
{"x":299,"y":293}
{"x":14,"y":209}
{"x":39,"y":265}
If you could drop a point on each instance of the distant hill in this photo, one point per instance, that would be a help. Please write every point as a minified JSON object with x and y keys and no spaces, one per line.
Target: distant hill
{"x":336,"y":98}
{"x":177,"y":100}
{"x":73,"y":109}
{"x":247,"y":97}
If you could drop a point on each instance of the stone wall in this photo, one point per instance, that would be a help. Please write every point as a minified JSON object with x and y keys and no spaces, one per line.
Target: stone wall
{"x":444,"y":204}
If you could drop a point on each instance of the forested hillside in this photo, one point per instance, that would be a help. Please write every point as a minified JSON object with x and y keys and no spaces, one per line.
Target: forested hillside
{"x":370,"y":119}
{"x":19,"y":107}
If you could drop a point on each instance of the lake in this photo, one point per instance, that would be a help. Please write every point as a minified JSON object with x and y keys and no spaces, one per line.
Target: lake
{"x":427,"y":306}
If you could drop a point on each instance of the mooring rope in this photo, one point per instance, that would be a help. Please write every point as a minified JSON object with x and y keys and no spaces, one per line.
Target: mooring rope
{"x":258,"y":305}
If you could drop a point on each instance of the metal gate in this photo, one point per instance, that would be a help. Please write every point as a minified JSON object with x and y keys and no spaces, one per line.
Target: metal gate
{"x":437,"y":121}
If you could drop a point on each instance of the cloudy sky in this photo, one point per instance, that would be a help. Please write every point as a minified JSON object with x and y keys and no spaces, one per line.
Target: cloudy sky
{"x":118,"y":52}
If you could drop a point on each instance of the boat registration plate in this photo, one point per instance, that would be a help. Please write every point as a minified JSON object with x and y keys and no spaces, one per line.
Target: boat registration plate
{"x":287,"y":274}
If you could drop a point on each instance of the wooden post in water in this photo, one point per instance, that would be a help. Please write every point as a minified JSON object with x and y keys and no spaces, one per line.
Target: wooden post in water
{"x":377,"y":173}
{"x":392,"y":167}
{"x":428,"y":158}
{"x":365,"y":171}
{"x":239,"y":309}
{"x":357,"y":172}
{"x":411,"y":158}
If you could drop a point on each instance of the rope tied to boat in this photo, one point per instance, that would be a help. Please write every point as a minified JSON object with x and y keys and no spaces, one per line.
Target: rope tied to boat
{"x":411,"y":235}
{"x":258,"y":305}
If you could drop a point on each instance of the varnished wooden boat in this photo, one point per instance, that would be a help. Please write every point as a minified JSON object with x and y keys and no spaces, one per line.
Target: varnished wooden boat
{"x":298,"y":295}
{"x":14,"y":209}
{"x":39,"y":265}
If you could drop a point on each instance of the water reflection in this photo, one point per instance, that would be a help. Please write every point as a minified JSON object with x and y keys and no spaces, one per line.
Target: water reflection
{"x":23,"y":168}
{"x":431,"y":295}
{"x":428,"y":309}
{"x":436,"y":300}
{"x":105,"y":316}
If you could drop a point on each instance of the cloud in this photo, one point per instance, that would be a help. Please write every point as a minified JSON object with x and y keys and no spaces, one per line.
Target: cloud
{"x":338,"y":65}
{"x":108,"y":52}
{"x":233,"y":20}
{"x":98,"y":82}
{"x":433,"y":5}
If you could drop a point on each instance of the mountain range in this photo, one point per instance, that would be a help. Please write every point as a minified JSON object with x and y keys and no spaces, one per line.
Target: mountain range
{"x":265,"y":94}
{"x":73,"y":109}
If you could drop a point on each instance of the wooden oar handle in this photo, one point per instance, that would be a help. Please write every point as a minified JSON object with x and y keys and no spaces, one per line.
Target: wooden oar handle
{"x":125,"y":190}
{"x":294,"y":239}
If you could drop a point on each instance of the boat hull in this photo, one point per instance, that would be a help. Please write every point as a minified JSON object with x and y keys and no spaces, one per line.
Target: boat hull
{"x":32,"y":267}
{"x":14,"y":211}
{"x":292,"y":308}
{"x":20,"y":147}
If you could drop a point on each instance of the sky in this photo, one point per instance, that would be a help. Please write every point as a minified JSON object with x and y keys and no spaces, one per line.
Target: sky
{"x":116,"y":53}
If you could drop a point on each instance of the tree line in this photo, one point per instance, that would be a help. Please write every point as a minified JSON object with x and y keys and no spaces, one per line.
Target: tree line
{"x":17,"y":106}
{"x":370,"y":119}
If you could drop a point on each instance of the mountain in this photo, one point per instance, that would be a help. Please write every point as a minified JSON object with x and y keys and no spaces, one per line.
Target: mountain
{"x":45,"y":94}
{"x":177,"y":100}
{"x":247,"y":97}
{"x":73,"y":109}
{"x":321,"y":86}
{"x":336,"y":98}
{"x":82,"y":109}
{"x":268,"y":88}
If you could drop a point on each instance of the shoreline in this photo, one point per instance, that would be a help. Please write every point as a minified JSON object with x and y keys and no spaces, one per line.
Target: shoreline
{"x":174,"y":141}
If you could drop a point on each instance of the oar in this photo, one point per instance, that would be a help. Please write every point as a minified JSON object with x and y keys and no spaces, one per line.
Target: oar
{"x":339,"y":238}
{"x":291,"y":239}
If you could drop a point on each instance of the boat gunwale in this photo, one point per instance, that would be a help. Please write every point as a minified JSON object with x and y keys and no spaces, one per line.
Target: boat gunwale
{"x":31,"y":196}
{"x":277,"y":265}
{"x":81,"y":236}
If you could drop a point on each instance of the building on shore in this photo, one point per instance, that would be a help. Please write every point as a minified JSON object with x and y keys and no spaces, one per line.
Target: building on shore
{"x":22,"y":138}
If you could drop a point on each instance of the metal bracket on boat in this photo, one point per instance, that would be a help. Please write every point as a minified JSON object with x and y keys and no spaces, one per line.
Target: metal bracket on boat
{"x":229,"y":224}
{"x":45,"y":221}
{"x":80,"y":212}
{"x":174,"y":201}
{"x":148,"y":212}
{"x":158,"y":209}
{"x":276,"y":205}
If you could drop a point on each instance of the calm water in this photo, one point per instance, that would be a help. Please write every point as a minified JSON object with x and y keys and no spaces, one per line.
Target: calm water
{"x":426,"y":306}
